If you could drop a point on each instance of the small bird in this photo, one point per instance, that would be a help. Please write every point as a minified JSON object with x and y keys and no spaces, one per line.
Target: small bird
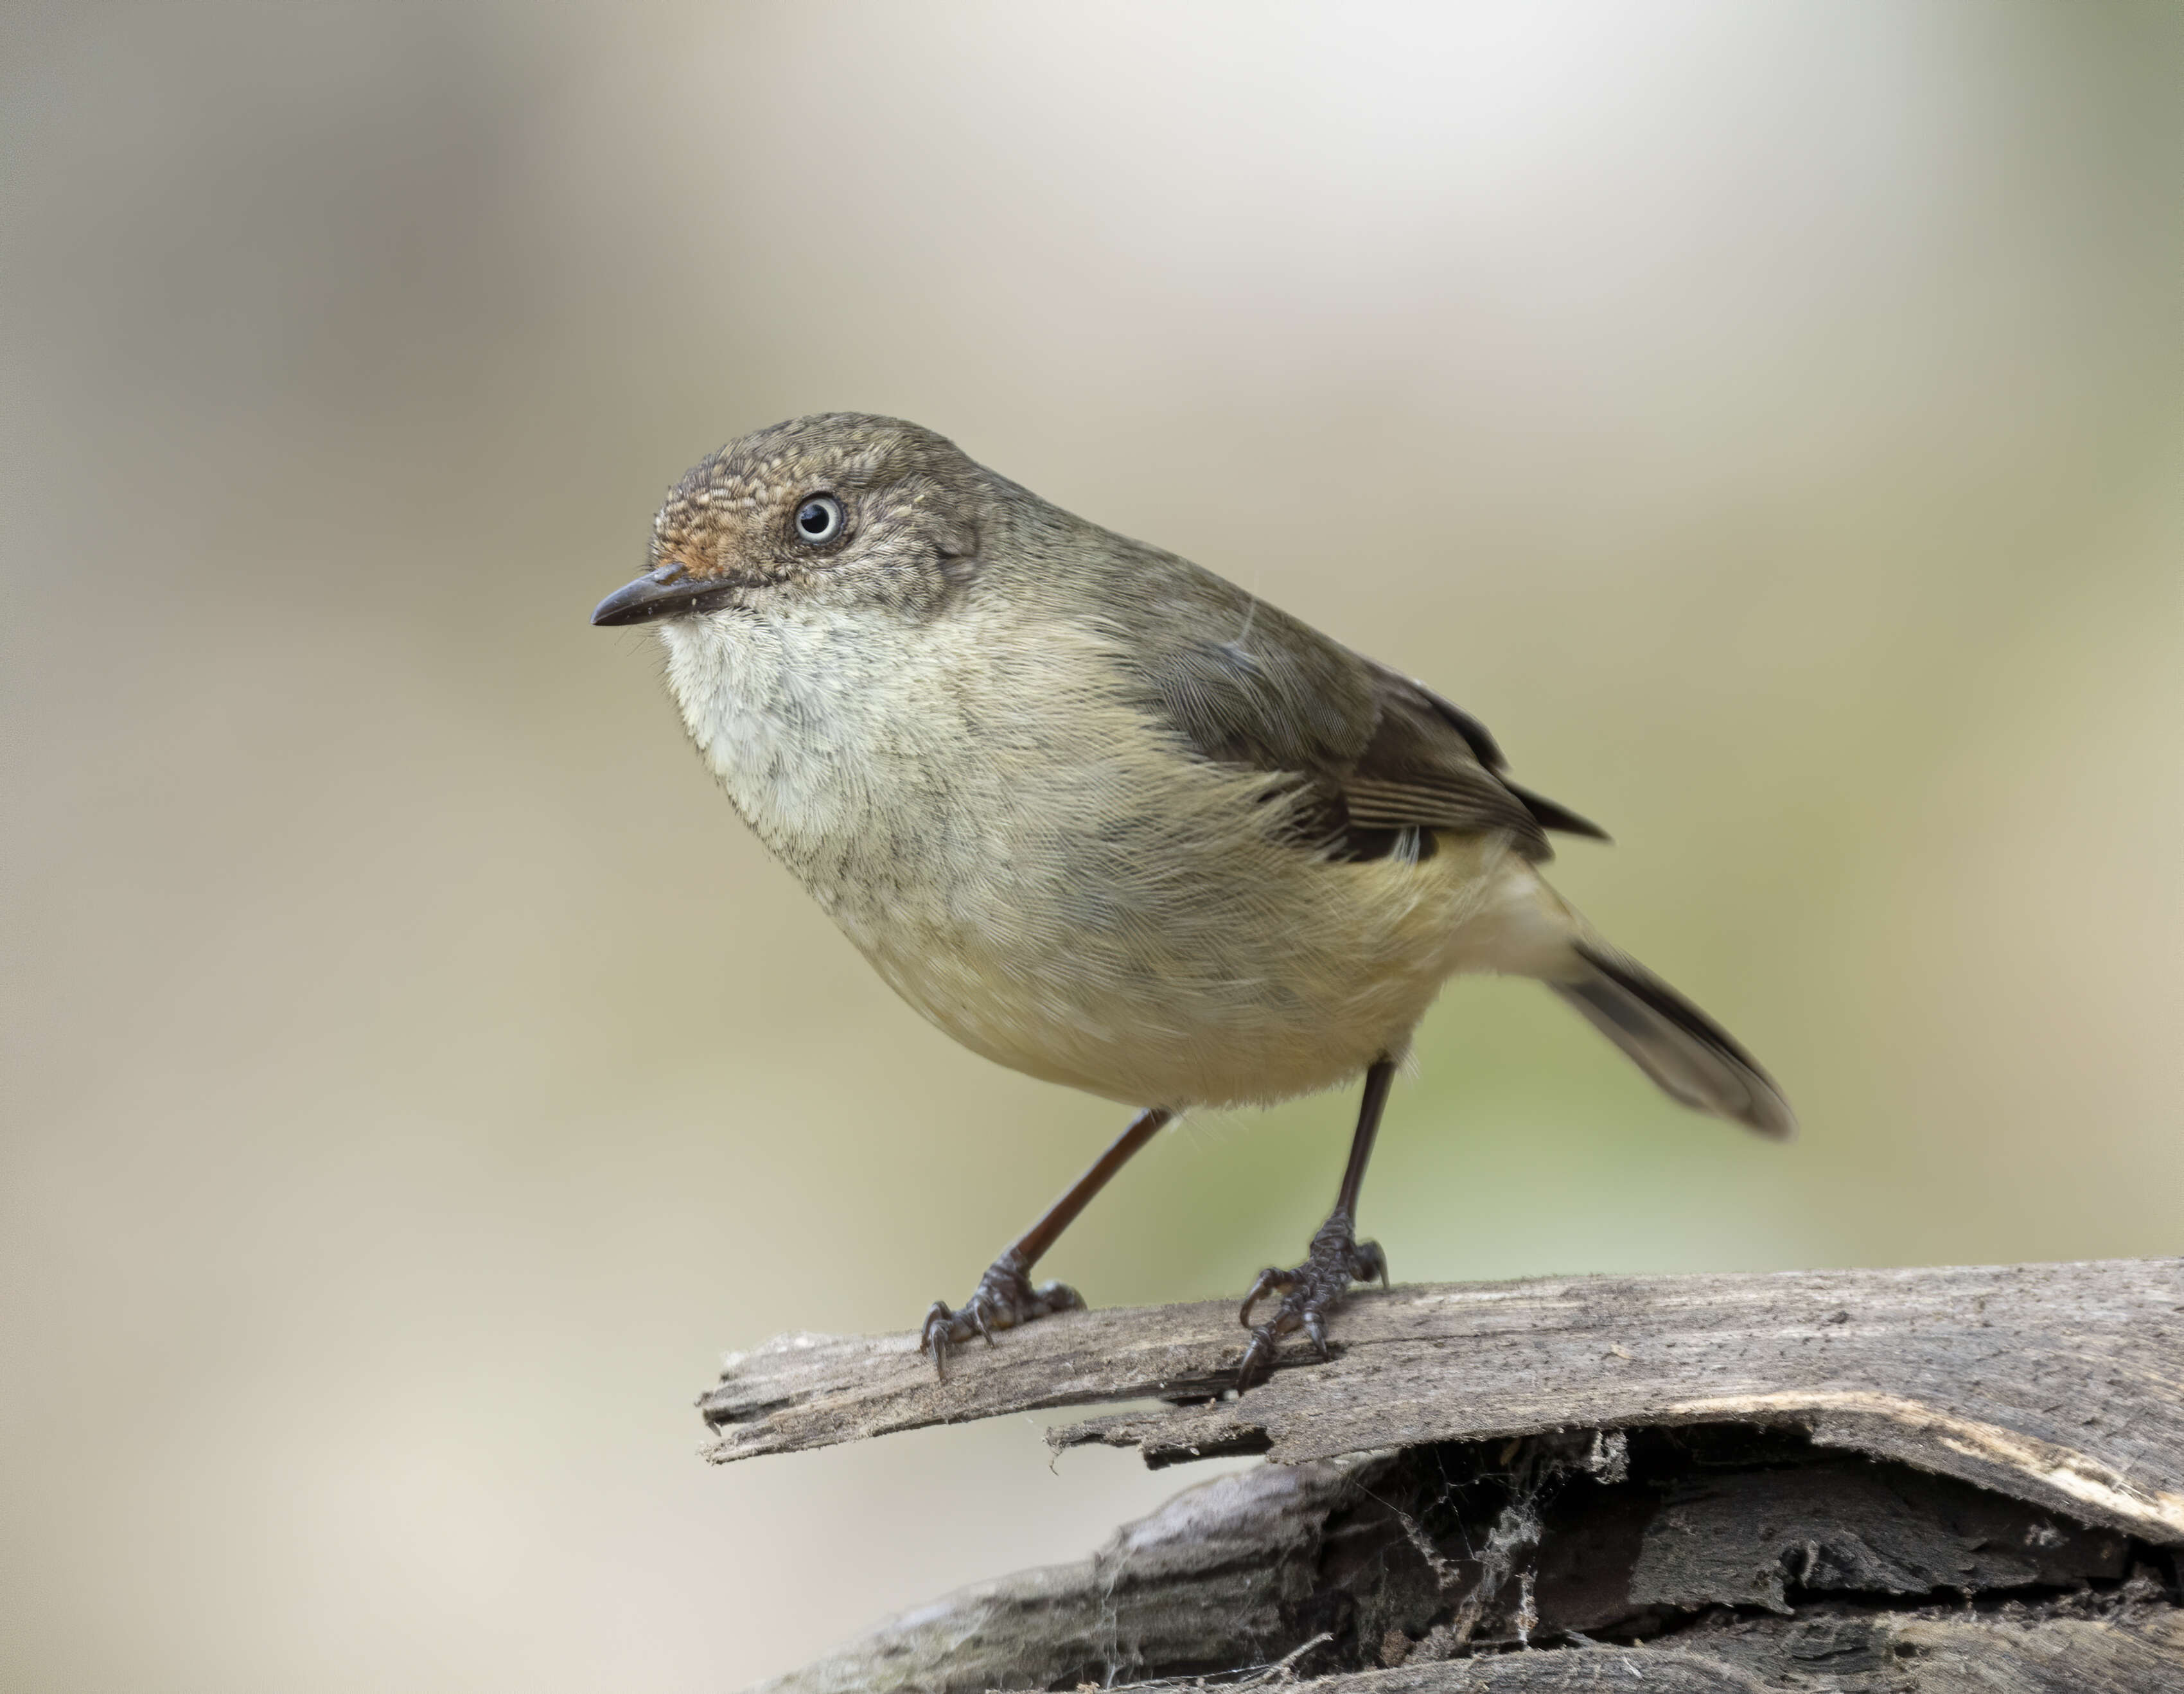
{"x":1110,"y":820}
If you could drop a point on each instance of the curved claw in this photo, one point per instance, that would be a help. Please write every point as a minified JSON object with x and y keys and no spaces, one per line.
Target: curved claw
{"x":1271,"y":1279}
{"x":935,"y":1338}
{"x":1258,"y":1359}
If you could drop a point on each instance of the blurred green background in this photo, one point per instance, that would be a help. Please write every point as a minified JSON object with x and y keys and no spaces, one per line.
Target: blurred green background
{"x":1769,"y":419}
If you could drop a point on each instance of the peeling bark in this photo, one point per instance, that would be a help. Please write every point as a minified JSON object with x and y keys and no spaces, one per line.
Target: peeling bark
{"x":1844,"y":1482}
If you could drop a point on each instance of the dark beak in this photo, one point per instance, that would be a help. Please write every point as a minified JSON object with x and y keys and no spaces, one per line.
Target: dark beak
{"x":664,"y":593}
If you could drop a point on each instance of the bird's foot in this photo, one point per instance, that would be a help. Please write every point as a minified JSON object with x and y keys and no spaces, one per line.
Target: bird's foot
{"x":1003,"y":1299}
{"x":1309,"y":1292}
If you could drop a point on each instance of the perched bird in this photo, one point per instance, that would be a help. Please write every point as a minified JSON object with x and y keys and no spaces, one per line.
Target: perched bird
{"x":1110,"y":820}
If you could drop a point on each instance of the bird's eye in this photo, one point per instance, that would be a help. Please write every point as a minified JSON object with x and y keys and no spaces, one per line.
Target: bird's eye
{"x":818,"y":520}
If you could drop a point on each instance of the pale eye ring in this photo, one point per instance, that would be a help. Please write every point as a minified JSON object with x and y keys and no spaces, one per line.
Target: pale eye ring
{"x":818,"y":520}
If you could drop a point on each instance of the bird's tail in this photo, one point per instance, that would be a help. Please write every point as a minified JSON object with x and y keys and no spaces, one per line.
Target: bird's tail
{"x":1530,"y":930}
{"x":1691,"y":1057}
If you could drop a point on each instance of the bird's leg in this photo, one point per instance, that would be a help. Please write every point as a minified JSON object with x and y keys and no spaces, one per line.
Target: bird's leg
{"x":1336,"y":1259}
{"x":1005,"y":1297}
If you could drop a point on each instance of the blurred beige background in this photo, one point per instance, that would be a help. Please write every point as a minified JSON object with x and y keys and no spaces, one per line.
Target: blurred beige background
{"x":1769,"y":419}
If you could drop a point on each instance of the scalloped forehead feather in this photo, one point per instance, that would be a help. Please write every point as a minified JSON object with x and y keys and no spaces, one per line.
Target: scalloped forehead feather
{"x":764,"y":471}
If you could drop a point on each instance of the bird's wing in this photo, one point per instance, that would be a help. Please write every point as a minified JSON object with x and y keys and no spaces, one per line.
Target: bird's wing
{"x":1380,"y":753}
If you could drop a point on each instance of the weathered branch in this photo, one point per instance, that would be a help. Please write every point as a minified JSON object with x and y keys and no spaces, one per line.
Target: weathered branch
{"x":1849,"y":1480}
{"x":2061,"y":1385}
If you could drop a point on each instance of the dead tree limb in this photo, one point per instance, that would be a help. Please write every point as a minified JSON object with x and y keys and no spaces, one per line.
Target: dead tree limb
{"x":1856,"y":1480}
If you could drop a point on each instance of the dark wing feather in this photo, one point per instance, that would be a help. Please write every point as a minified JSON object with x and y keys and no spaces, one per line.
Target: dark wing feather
{"x":1381,"y":758}
{"x":1555,"y":816}
{"x":1552,"y":814}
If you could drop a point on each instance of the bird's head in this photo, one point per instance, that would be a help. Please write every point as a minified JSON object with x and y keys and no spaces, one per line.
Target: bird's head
{"x":840,"y":508}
